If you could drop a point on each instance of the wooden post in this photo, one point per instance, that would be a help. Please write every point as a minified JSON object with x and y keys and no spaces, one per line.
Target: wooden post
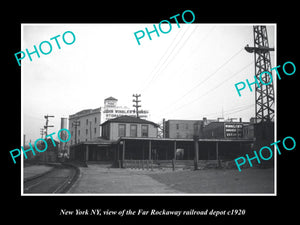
{"x":217,"y":154}
{"x":149,"y":150}
{"x":174,"y":158}
{"x":217,"y":150}
{"x":123,"y":153}
{"x":87,"y":153}
{"x":196,"y":154}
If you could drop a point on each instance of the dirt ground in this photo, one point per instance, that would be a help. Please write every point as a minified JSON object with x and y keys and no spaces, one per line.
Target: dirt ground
{"x":250,"y":181}
{"x":99,"y":179}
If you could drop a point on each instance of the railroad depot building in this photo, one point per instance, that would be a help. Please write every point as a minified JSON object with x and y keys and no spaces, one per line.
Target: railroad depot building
{"x":128,"y":140}
{"x":85,"y":124}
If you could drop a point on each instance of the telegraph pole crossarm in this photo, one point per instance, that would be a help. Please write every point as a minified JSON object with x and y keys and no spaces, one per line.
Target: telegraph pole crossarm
{"x":136,"y":100}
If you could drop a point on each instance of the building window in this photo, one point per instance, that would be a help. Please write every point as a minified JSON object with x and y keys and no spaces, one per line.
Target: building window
{"x":87,"y":121}
{"x":95,"y":120}
{"x":122,"y":131}
{"x":95,"y":130}
{"x":86,"y":131}
{"x":78,"y":132}
{"x":177,"y":126}
{"x":144,"y":130}
{"x":133,"y":130}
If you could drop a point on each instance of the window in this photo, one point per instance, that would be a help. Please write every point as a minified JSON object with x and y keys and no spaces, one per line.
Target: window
{"x":78,"y":132}
{"x":95,"y":119}
{"x":87,"y":121}
{"x":122,"y":131}
{"x":86,"y":131}
{"x":144,"y":130}
{"x":177,"y":126}
{"x":133,"y":130}
{"x":95,"y":130}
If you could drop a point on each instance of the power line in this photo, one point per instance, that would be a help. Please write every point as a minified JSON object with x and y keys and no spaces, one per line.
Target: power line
{"x":229,"y":111}
{"x":163,"y":56}
{"x":206,"y":80}
{"x":195,"y":51}
{"x":161,"y":66}
{"x":215,"y":72}
{"x":178,"y":50}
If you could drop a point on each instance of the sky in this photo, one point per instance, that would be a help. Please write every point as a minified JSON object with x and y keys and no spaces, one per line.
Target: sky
{"x":188,"y":73}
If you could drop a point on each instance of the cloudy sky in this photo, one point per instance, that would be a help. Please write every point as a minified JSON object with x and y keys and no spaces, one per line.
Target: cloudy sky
{"x":188,"y":73}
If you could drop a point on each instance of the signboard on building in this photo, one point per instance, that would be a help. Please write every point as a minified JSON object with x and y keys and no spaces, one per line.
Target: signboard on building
{"x":233,"y":130}
{"x":110,"y":113}
{"x":112,"y":110}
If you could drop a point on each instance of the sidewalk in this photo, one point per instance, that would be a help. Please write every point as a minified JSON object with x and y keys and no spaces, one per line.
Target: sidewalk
{"x":35,"y":170}
{"x":98,"y":179}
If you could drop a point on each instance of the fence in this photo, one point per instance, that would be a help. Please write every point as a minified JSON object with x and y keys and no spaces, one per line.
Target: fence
{"x":167,"y":164}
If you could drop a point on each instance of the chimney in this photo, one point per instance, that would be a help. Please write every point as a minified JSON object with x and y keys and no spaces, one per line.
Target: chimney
{"x":204,"y":121}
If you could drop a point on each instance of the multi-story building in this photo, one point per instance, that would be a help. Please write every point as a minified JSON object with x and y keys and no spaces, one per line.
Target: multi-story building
{"x":84,"y":125}
{"x":185,"y":129}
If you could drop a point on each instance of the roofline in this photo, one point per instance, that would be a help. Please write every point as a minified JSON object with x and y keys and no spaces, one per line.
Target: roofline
{"x":146,"y":121}
{"x":181,"y":139}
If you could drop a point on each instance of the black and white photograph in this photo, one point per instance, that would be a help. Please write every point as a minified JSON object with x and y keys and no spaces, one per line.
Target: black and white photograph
{"x":171,"y":115}
{"x":165,"y":114}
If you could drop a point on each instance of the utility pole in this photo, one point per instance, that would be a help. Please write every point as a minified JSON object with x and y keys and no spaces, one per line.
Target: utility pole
{"x":46,"y":126}
{"x":42,"y":132}
{"x":75,"y":124}
{"x":136,"y":100}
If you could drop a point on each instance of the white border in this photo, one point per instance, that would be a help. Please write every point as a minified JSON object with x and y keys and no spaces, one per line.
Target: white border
{"x":165,"y":194}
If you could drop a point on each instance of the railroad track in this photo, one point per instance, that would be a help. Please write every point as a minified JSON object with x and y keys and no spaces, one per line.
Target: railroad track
{"x":58,"y":180}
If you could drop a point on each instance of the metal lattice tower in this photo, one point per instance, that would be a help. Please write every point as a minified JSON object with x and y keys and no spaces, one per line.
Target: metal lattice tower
{"x":264,"y":94}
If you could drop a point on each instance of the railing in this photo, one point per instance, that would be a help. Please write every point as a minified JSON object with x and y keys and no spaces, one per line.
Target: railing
{"x":166,"y":164}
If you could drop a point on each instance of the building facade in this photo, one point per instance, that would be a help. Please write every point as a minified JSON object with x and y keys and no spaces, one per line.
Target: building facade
{"x":225,"y":130}
{"x":128,"y":126}
{"x":84,"y":125}
{"x":185,"y":129}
